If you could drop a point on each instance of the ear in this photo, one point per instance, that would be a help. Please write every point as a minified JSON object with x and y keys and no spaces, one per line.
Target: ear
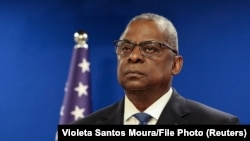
{"x":177,"y":66}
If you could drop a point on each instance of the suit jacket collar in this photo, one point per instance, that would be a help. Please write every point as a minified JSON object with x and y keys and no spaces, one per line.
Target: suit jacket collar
{"x":173,"y":113}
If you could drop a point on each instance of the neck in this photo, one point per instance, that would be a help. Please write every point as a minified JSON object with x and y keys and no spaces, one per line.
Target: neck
{"x":143,"y":99}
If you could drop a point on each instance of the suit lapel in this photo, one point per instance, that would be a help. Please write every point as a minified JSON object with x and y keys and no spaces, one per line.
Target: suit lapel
{"x":175,"y":111}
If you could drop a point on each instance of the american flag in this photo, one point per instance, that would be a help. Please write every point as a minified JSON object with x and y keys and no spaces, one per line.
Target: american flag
{"x":77,"y":97}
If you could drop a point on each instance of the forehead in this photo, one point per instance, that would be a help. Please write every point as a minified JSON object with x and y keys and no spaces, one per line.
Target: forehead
{"x":142,"y":30}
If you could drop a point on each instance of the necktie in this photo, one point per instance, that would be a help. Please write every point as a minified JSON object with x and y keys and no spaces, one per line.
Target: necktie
{"x":143,"y":118}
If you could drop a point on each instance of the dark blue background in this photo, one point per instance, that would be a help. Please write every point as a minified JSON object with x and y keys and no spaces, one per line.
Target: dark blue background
{"x":36,"y":42}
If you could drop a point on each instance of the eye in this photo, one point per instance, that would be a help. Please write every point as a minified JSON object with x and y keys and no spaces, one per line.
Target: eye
{"x":126,"y":47}
{"x":150,"y":48}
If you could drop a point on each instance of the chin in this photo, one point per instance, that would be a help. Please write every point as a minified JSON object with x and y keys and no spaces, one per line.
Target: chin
{"x":134,"y":87}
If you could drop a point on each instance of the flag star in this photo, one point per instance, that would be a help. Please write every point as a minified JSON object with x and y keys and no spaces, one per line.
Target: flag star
{"x":62,"y":111}
{"x":81,"y":89}
{"x":78,"y":112}
{"x":56,"y":137}
{"x":84,"y":65}
{"x":66,"y":87}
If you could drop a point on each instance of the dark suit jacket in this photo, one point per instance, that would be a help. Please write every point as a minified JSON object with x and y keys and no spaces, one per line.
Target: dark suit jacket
{"x":178,"y":110}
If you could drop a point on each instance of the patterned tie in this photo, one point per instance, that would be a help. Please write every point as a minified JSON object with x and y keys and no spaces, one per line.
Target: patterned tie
{"x":143,"y":118}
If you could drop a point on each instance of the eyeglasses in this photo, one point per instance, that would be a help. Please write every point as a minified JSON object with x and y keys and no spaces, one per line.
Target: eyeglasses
{"x":147,"y":48}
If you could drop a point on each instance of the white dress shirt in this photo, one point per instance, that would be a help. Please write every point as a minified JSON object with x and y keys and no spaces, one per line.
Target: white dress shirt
{"x":154,"y":110}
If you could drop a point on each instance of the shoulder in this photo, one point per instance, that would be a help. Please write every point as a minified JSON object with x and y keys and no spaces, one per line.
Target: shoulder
{"x":208,"y":114}
{"x":203,"y":114}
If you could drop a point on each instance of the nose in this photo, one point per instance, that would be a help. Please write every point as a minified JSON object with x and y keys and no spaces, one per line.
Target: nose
{"x":136,"y":55}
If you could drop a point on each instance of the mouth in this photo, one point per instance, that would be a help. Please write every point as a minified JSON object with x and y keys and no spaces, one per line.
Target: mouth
{"x":133,"y":73}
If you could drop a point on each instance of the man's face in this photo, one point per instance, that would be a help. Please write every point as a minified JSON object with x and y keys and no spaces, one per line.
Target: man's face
{"x":137,"y":72}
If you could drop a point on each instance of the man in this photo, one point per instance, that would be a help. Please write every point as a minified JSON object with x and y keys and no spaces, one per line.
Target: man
{"x":148,"y":58}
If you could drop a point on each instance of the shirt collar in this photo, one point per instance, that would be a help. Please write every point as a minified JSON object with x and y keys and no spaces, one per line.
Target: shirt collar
{"x":130,"y":109}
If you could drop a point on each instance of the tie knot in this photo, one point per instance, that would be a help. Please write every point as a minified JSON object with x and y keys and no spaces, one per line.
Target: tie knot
{"x":142,"y":117}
